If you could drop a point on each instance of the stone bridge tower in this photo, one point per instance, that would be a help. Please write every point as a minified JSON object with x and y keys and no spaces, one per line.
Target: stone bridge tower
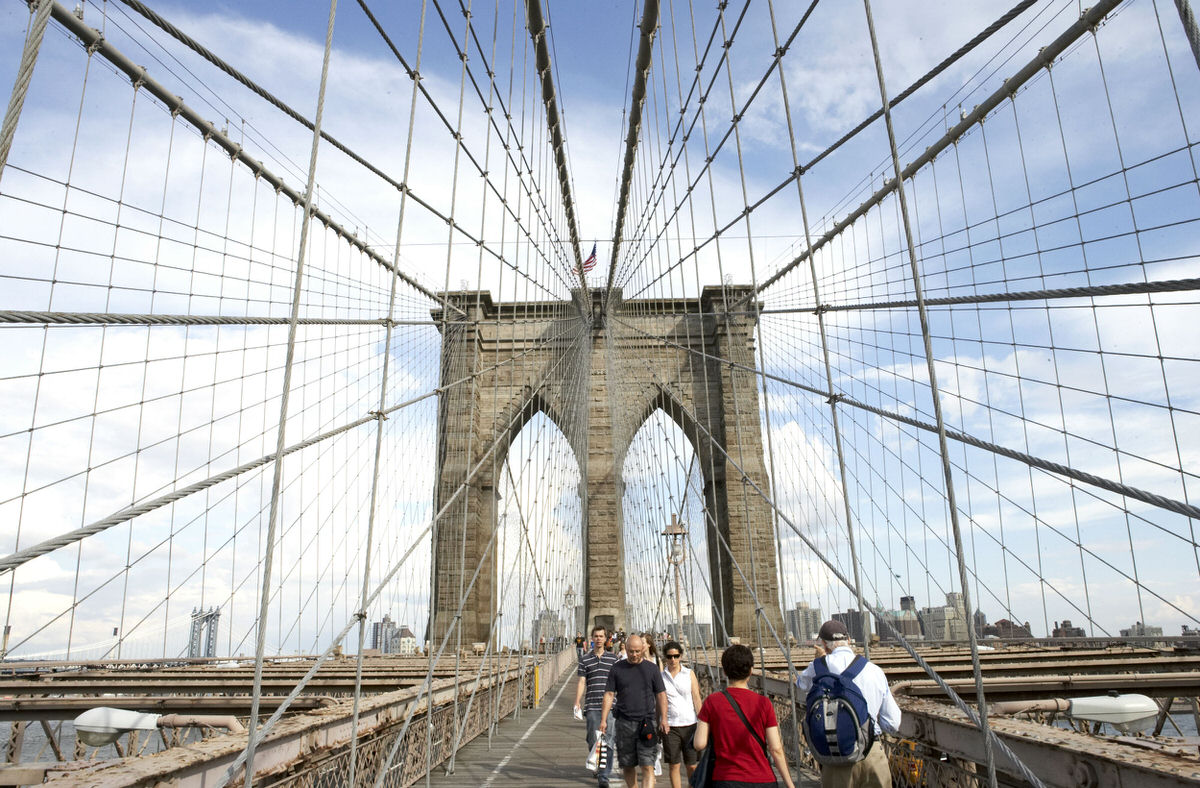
{"x":599,"y":377}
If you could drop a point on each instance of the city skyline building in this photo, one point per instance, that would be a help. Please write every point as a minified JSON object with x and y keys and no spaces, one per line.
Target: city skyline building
{"x":699,"y":634}
{"x":1140,"y":630}
{"x":1065,"y":630}
{"x":857,"y":623}
{"x":383,"y":633}
{"x":804,"y":621}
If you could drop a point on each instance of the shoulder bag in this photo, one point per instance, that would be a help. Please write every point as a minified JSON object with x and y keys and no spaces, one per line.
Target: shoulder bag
{"x":746,"y":722}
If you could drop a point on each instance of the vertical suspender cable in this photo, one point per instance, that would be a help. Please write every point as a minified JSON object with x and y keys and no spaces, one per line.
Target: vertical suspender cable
{"x":379,"y":415}
{"x":280,"y":439}
{"x":935,"y":395}
{"x":641,"y":68}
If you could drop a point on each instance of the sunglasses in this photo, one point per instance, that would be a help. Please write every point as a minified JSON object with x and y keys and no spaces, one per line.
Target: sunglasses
{"x":673,"y":656}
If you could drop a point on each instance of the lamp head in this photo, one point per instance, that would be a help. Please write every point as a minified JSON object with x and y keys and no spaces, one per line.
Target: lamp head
{"x":104,"y":725}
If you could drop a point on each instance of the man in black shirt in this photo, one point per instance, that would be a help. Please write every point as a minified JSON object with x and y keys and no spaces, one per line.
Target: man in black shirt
{"x":641,"y":696}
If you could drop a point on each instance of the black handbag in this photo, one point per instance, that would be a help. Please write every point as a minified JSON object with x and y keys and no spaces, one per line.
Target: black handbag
{"x":645,"y":732}
{"x":703,"y":776}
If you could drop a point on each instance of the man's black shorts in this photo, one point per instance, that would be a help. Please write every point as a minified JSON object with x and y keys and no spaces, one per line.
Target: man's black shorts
{"x":677,"y":745}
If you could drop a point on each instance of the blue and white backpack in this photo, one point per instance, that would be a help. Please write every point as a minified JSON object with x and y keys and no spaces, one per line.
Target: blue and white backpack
{"x":837,"y":724}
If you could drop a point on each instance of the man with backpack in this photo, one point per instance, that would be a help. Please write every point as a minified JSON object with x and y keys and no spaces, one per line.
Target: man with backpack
{"x":847,"y":704}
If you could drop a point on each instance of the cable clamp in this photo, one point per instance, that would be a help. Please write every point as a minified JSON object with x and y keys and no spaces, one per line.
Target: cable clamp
{"x":821,"y":309}
{"x":360,"y":615}
{"x":378,"y":414}
{"x":834,"y":399}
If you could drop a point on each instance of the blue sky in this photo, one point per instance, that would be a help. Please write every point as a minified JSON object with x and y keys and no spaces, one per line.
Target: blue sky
{"x":995,"y":212}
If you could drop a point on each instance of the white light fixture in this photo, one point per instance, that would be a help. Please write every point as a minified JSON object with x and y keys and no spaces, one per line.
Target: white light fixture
{"x":100,"y":726}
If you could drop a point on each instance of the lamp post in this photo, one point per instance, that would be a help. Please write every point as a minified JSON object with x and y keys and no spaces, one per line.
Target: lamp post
{"x":675,"y":531}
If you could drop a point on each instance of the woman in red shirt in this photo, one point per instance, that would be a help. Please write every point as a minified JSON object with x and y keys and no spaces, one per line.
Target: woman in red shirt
{"x":741,"y":757}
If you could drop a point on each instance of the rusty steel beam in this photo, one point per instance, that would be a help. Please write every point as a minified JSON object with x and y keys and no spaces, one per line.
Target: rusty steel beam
{"x":1061,"y":758}
{"x":195,"y":685}
{"x":1062,"y":685}
{"x":293,"y":740}
{"x":63,"y":708}
{"x":319,"y":738}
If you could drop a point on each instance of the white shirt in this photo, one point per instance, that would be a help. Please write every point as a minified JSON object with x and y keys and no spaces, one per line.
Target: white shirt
{"x":871,"y":682}
{"x":680,"y":709}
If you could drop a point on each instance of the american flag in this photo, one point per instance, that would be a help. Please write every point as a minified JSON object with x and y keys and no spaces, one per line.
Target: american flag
{"x":590,"y":262}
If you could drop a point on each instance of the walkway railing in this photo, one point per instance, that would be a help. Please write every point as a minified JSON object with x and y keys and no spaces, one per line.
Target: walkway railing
{"x":314,"y":749}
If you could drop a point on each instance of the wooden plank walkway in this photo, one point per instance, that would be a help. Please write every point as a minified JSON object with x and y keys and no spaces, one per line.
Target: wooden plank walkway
{"x":546,"y":747}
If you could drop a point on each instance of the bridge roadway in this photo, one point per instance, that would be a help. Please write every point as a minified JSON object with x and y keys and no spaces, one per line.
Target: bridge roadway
{"x":546,"y":747}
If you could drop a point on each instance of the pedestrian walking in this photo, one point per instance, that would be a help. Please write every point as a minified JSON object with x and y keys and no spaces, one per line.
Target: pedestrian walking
{"x":593,"y":670}
{"x":579,"y":644}
{"x":848,"y":753}
{"x":651,"y":654}
{"x":683,"y":700}
{"x":636,"y":694}
{"x":742,"y":728}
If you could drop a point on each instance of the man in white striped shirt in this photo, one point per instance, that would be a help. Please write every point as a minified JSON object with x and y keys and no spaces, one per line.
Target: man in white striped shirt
{"x":593,"y":671}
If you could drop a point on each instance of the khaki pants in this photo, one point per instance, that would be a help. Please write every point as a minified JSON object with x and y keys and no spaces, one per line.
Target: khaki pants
{"x":870,"y":772}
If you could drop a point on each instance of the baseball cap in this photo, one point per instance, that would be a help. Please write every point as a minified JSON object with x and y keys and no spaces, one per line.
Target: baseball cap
{"x":833,"y":630}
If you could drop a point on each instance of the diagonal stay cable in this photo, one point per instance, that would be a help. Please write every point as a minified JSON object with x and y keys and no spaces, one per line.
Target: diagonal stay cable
{"x":93,"y":40}
{"x":875,"y":611}
{"x":537,"y":31}
{"x":1044,"y":58}
{"x":16,"y":559}
{"x":1145,"y":496}
{"x":266,"y":95}
{"x":386,"y":578}
{"x":546,"y":221}
{"x":648,"y":27}
{"x":803,"y":168}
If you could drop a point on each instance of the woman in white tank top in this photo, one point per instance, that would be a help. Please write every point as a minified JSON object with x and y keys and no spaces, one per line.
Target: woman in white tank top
{"x":683,"y":699}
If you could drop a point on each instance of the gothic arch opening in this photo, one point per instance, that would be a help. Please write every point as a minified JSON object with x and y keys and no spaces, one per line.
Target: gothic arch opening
{"x":539,"y":517}
{"x":664,"y":485}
